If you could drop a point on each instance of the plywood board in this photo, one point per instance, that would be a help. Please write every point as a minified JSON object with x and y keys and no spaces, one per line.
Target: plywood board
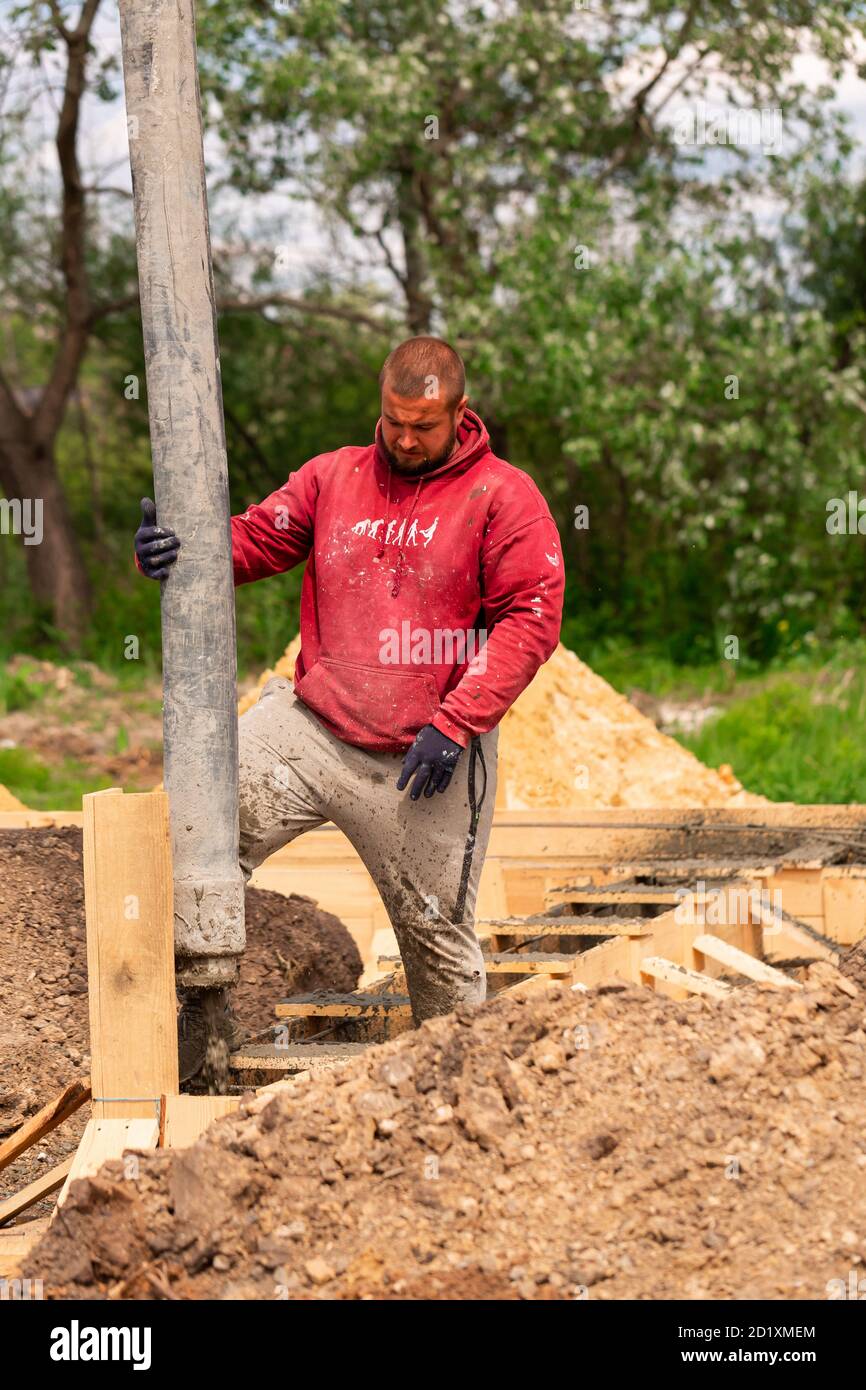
{"x":844,"y":899}
{"x":187,"y":1117}
{"x":106,"y":1139}
{"x":130,"y":952}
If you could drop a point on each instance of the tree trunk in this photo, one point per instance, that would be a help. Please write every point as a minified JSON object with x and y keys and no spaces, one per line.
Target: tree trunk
{"x":55,"y":566}
{"x":419,"y":306}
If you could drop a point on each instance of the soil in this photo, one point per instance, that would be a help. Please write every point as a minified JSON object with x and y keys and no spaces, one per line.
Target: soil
{"x":854,"y":964}
{"x":292,"y":948}
{"x":555,"y":1144}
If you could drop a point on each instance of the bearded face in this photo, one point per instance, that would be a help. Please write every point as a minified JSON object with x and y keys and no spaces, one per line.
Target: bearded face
{"x":418,"y":436}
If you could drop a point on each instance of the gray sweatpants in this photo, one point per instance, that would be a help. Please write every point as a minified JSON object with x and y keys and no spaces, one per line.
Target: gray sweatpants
{"x":295,"y":775}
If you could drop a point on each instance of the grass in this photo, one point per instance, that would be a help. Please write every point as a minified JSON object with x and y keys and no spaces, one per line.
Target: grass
{"x":45,"y":788}
{"x":790,"y":731}
{"x":793,"y":741}
{"x":16,"y":692}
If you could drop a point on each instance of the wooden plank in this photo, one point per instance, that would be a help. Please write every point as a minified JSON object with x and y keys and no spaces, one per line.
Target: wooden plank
{"x":17,"y":1240}
{"x":34,"y":820}
{"x":786,"y":939}
{"x":187,"y":1117}
{"x":528,"y":881}
{"x":46,"y":1119}
{"x":741,"y":963}
{"x":130,"y":952}
{"x":800,"y":891}
{"x":492,"y":900}
{"x":564,"y":926}
{"x":612,"y":959}
{"x":529,"y":963}
{"x":521,"y":962}
{"x":844,"y":907}
{"x":296,"y":1057}
{"x":16,"y":1243}
{"x":106,"y":1139}
{"x":41,"y":1187}
{"x":614,"y":896}
{"x":366,"y":1006}
{"x":591,"y":825}
{"x":657,"y":968}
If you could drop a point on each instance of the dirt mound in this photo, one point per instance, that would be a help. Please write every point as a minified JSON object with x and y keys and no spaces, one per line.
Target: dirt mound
{"x":853,"y":966}
{"x":44,"y":1030}
{"x":284,"y":667}
{"x":293,"y":948}
{"x":535,"y":1147}
{"x":607,"y":752}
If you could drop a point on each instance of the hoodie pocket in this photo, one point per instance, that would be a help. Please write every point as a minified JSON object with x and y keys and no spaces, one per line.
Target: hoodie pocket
{"x":369,"y":706}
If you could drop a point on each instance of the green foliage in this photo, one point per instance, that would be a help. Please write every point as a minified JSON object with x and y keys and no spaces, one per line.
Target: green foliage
{"x":794,"y":741}
{"x":45,"y":788}
{"x":16,"y":692}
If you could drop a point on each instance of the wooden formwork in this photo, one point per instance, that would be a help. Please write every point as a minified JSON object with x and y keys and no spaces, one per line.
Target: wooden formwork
{"x":133,"y":1091}
{"x":680,"y":901}
{"x":812,"y":857}
{"x":810,"y":861}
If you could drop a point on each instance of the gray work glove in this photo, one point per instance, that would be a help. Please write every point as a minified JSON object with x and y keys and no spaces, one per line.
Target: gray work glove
{"x":156,"y":547}
{"x":432,"y":759}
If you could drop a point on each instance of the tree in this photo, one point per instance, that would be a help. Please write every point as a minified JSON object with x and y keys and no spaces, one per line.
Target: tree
{"x":28,"y":433}
{"x":428,"y":134}
{"x":67,"y":271}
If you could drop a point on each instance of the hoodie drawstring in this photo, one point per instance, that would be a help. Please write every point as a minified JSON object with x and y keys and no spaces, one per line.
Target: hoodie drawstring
{"x":401,"y":559}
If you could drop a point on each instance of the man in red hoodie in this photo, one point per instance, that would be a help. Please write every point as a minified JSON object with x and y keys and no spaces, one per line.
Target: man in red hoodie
{"x":432,"y":594}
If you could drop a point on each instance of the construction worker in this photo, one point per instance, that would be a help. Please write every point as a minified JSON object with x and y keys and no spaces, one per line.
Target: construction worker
{"x":432,"y":594}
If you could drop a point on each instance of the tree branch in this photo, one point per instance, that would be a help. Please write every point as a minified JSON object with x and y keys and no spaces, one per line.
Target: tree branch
{"x":252,"y":303}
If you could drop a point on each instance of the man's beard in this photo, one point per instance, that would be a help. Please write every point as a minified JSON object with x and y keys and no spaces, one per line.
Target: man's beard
{"x":427,"y":465}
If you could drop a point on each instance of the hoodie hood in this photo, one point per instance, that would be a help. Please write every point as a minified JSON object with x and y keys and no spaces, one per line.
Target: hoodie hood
{"x":472,"y":443}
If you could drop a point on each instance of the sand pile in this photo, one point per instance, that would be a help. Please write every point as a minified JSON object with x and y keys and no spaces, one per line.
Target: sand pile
{"x":539,"y":1147}
{"x":572,"y":740}
{"x":284,"y":667}
{"x":8,"y":802}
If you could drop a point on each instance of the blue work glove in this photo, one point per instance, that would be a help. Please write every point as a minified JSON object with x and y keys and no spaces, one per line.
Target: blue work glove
{"x":156,"y":547}
{"x":432,"y":758}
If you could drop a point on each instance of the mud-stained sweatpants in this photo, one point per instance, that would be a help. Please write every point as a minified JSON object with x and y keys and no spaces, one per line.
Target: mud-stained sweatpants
{"x":295,"y":775}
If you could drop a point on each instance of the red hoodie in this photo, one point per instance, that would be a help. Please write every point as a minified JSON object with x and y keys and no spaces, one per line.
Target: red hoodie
{"x":402,"y":573}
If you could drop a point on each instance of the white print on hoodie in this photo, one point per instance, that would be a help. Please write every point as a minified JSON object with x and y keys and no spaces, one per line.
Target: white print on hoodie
{"x":370,"y":528}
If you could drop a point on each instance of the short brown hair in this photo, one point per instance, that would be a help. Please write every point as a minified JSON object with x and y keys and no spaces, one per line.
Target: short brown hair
{"x":413,"y":364}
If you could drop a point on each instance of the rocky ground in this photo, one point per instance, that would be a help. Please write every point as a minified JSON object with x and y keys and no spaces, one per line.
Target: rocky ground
{"x":550,"y":1145}
{"x":44,"y":1042}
